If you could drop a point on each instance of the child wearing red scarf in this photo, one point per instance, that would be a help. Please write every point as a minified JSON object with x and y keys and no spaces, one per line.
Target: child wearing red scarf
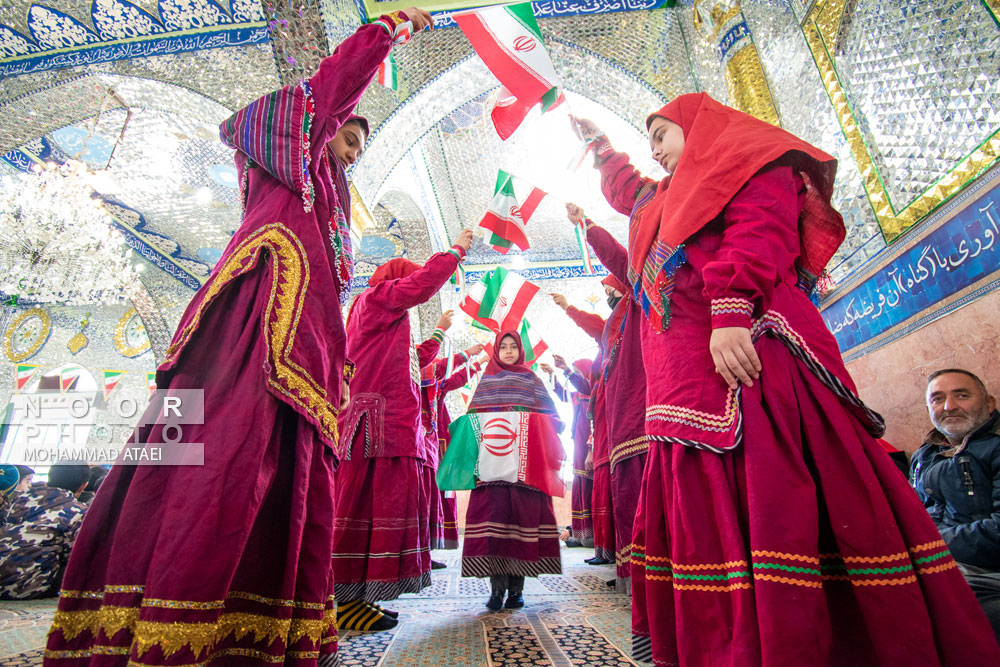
{"x":771,"y":527}
{"x":510,"y":528}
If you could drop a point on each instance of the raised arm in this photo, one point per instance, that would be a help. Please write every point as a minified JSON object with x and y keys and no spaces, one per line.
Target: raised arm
{"x":620,"y":181}
{"x":459,"y":378}
{"x":591,"y":323}
{"x":612,"y":254}
{"x":425,"y":282}
{"x":344,"y":75}
{"x":428,"y":350}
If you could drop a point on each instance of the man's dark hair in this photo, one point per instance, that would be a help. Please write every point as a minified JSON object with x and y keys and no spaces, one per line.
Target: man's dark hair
{"x":97,"y":475}
{"x":70,"y":476}
{"x":979,"y":383}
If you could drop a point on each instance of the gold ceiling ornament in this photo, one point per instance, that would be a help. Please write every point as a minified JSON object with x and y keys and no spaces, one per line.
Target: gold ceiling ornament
{"x":721,"y":24}
{"x":131,"y":339}
{"x":27,"y":334}
{"x":821,"y":28}
{"x":361,"y":217}
{"x":79,"y":340}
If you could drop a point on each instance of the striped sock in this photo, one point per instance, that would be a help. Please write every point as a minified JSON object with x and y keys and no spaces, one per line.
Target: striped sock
{"x":358,"y":615}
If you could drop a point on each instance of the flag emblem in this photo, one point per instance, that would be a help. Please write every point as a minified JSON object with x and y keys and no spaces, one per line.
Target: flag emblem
{"x":499,"y":436}
{"x":524,"y":44}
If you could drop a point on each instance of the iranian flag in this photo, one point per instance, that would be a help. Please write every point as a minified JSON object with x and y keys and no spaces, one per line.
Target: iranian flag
{"x":499,"y":300}
{"x":509,"y":112}
{"x":111,"y":380}
{"x":24,"y":373}
{"x":506,"y":218}
{"x":534,"y":346}
{"x":151,"y":382}
{"x":388,"y":75}
{"x":68,"y":377}
{"x":503,"y":447}
{"x":508,"y":41}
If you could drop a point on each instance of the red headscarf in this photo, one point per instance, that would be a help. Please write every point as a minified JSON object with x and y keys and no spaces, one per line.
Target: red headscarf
{"x":394,"y":269}
{"x":496,"y":366}
{"x":616,"y":284}
{"x":723,"y":149}
{"x":493,"y":391}
{"x":583,"y":366}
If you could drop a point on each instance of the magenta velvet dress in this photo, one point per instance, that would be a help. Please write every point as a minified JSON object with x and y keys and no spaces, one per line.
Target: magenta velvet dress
{"x":624,"y":392}
{"x":582,"y":491}
{"x":229,"y":562}
{"x":381,"y":533}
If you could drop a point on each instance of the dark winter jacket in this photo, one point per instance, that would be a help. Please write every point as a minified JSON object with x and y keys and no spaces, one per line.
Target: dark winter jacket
{"x":962,"y":492}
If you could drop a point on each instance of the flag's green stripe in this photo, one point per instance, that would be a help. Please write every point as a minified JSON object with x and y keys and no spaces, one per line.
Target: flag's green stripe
{"x":550,"y":98}
{"x":522,"y":14}
{"x":786,"y":568}
{"x":710,"y":577}
{"x":503,"y":183}
{"x":500,"y":241}
{"x":494,"y":281}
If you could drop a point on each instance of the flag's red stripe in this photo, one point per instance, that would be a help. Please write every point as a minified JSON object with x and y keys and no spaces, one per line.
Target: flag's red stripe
{"x":505,"y":229}
{"x":504,"y":65}
{"x":531,"y":203}
{"x":524,"y":295}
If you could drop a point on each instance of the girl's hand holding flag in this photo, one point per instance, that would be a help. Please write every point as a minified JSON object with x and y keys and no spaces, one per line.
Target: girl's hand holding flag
{"x":444,"y":322}
{"x":419,"y":18}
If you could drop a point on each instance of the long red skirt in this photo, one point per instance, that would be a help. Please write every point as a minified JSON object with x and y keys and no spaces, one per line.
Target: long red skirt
{"x":223,"y":563}
{"x":805,"y":546}
{"x":380,"y":532}
{"x":604,"y":518}
{"x":510,"y":529}
{"x":435,"y":511}
{"x":581,"y":498}
{"x":626,"y":482}
{"x":449,"y":506}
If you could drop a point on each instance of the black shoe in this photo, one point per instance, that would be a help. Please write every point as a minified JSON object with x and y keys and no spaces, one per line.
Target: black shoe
{"x":598,"y":561}
{"x":437,"y":565}
{"x":610,"y":583}
{"x":514,"y":601}
{"x":571,"y":543}
{"x":495,"y":602}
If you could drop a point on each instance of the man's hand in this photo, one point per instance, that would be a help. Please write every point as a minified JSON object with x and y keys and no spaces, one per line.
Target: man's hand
{"x":444,"y":322}
{"x":574,"y":213}
{"x":419,"y":18}
{"x":545,"y":367}
{"x":560,"y":300}
{"x":464,"y":240}
{"x":585,"y":129}
{"x":735,"y":359}
{"x":560,"y":362}
{"x":345,"y":395}
{"x":474,"y":350}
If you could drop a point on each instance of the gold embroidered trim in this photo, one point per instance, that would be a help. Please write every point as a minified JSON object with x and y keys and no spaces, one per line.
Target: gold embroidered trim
{"x":108,"y":618}
{"x":183,"y":604}
{"x":171,"y":637}
{"x":289,"y":283}
{"x":276,"y":602}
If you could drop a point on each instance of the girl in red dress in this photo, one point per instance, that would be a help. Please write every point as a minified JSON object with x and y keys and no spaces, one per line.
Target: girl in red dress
{"x":771,"y":527}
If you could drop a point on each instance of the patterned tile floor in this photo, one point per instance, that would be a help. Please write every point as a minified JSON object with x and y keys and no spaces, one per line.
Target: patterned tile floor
{"x":569,"y":620}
